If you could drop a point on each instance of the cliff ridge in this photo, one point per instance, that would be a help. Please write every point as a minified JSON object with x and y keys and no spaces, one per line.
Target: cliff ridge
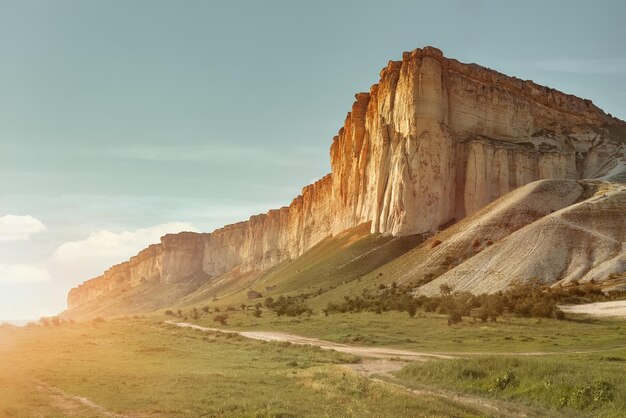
{"x":435,"y":140}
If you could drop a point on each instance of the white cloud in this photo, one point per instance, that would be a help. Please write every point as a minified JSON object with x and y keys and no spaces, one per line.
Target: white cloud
{"x":19,"y":227}
{"x":106,"y":245}
{"x":21,"y":273}
{"x":584,"y":66}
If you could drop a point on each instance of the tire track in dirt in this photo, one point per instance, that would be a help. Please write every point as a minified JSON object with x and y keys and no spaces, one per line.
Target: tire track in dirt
{"x":74,"y":406}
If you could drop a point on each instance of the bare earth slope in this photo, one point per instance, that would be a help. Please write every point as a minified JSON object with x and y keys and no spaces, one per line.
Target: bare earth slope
{"x":581,"y":242}
{"x":480,"y":231}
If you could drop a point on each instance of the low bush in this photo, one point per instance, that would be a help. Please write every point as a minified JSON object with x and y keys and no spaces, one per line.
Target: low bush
{"x":523,"y":300}
{"x":582,"y":397}
{"x":289,"y":306}
{"x":222,"y":319}
{"x":502,"y":381}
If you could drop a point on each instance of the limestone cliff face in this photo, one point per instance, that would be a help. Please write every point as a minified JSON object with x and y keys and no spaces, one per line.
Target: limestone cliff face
{"x":257,"y":244}
{"x":433,"y":140}
{"x":436,"y":139}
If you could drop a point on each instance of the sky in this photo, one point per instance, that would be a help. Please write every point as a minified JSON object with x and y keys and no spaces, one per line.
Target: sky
{"x":121,"y":121}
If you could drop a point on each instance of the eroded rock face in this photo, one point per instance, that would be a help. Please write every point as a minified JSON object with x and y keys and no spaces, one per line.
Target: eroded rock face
{"x":433,"y":140}
{"x":436,"y":139}
{"x":581,"y":242}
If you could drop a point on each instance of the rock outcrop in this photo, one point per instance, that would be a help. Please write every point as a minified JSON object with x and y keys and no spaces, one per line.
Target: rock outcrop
{"x":580,"y":242}
{"x":463,"y":241}
{"x":434,"y":140}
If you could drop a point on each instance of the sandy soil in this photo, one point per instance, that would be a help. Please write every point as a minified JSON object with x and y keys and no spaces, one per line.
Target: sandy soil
{"x":614,"y":308}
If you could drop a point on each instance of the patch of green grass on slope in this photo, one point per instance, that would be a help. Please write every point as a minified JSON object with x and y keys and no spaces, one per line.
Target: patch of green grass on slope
{"x":430,"y":332}
{"x":144,"y":368}
{"x":334,"y":262}
{"x":578,"y":385}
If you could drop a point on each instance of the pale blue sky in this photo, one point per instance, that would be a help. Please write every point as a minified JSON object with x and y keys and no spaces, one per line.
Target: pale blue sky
{"x":120,"y":120}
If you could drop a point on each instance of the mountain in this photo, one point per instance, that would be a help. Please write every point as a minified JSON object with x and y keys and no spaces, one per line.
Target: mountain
{"x":434,"y":142}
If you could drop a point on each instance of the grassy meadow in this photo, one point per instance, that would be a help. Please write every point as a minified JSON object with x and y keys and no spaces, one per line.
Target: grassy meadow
{"x":574,"y":367}
{"x":144,"y":368}
{"x":573,"y":385}
{"x":430,"y":332}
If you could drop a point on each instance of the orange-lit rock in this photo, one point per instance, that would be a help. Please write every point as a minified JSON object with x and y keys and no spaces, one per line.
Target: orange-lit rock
{"x":433,"y":140}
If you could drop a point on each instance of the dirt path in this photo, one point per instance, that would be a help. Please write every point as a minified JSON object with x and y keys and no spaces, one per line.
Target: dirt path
{"x":603,"y":309}
{"x":494,"y":407}
{"x":380,"y":363}
{"x":380,"y":370}
{"x":382,"y":352}
{"x":374,"y":352}
{"x":75,"y":406}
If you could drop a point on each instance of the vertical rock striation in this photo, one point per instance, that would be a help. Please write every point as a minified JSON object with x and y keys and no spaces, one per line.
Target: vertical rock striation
{"x":433,"y":140}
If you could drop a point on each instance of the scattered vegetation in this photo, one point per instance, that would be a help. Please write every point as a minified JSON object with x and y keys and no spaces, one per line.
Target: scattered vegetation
{"x":386,"y":298}
{"x":146,"y":368}
{"x":53,"y":321}
{"x":522,"y":300}
{"x":222,"y":319}
{"x":564,"y":383}
{"x":289,"y":306}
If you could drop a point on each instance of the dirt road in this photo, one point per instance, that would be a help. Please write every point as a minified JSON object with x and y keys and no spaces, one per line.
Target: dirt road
{"x":614,"y":308}
{"x":373,"y":352}
{"x":382,"y":362}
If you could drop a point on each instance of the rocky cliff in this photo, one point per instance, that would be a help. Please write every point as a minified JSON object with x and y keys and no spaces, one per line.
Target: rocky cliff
{"x":434,"y":140}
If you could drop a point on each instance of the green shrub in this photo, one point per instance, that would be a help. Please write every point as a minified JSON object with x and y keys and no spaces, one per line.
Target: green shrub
{"x":222,"y":319}
{"x":532,"y":299}
{"x":195,"y":314}
{"x":583,"y":397}
{"x":289,"y":306}
{"x":503,"y":381}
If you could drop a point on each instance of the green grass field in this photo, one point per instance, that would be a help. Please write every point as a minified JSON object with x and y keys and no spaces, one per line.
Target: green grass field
{"x":146,"y":368}
{"x":143,"y":367}
{"x":574,"y":385}
{"x":430,"y":332}
{"x":574,"y":367}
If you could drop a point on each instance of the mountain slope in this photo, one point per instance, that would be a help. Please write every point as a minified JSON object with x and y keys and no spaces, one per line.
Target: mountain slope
{"x":434,"y":141}
{"x":581,"y":242}
{"x":331,"y":263}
